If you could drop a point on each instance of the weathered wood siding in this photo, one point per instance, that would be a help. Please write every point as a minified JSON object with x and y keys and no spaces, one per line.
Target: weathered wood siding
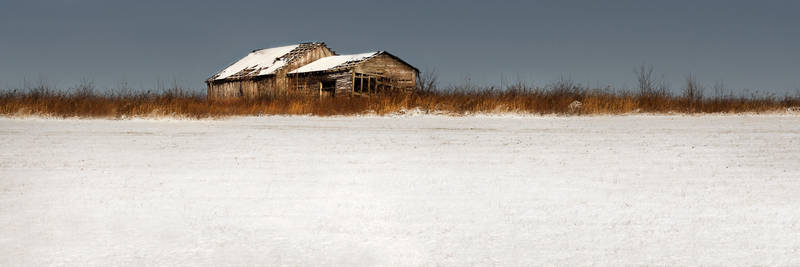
{"x":249,"y":88}
{"x":344,"y":82}
{"x":309,"y":83}
{"x":390,"y":72}
{"x":387,"y":66}
{"x":282,"y":83}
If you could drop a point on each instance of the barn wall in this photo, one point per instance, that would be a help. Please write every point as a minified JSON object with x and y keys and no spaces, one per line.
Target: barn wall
{"x":304,"y":83}
{"x":387,"y":66}
{"x":250,"y":88}
{"x":308,"y":83}
{"x":344,"y":82}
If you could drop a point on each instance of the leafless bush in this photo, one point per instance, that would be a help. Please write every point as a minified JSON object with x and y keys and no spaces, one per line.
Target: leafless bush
{"x":84,"y":89}
{"x":719,"y":89}
{"x":654,"y":93}
{"x":645,"y":79}
{"x":692,"y":92}
{"x":428,"y":81}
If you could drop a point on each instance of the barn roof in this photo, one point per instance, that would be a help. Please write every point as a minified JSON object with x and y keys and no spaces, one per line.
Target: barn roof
{"x":263,"y":61}
{"x":341,"y":62}
{"x":334,"y":62}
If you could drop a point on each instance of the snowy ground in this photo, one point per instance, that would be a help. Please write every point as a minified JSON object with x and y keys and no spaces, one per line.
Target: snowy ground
{"x":716,"y":190}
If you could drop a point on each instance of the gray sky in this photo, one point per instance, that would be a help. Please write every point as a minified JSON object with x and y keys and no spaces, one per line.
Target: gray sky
{"x":746,"y":44}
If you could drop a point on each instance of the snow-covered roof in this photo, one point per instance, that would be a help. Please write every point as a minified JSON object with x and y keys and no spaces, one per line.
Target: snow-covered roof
{"x":333,"y":62}
{"x":257,"y":63}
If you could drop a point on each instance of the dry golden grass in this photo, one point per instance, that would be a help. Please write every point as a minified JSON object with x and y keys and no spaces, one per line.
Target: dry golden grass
{"x":518,"y":99}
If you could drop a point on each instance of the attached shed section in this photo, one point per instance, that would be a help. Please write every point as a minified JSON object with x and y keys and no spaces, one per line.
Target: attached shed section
{"x":354,"y":75}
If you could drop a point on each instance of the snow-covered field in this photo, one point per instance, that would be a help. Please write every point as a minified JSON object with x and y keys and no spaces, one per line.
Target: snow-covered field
{"x":667,"y":190}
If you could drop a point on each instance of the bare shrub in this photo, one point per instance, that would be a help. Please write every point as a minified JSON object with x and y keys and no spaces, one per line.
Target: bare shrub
{"x":692,"y":92}
{"x":653,"y":92}
{"x":428,"y":80}
{"x":645,"y":79}
{"x":84,"y":89}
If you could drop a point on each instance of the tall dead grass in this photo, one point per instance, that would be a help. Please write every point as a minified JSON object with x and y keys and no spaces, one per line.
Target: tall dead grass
{"x":84,"y":101}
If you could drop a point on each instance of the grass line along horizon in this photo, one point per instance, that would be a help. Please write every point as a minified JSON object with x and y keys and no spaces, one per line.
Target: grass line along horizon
{"x":651,"y":97}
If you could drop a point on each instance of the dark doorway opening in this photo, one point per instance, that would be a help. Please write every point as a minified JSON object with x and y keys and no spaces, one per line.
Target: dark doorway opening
{"x":329,"y":87}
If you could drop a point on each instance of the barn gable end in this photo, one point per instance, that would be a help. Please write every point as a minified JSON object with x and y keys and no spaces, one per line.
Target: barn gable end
{"x":391,"y":67}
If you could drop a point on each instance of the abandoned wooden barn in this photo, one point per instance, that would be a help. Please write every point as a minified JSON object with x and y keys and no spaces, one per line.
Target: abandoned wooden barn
{"x":312,"y":69}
